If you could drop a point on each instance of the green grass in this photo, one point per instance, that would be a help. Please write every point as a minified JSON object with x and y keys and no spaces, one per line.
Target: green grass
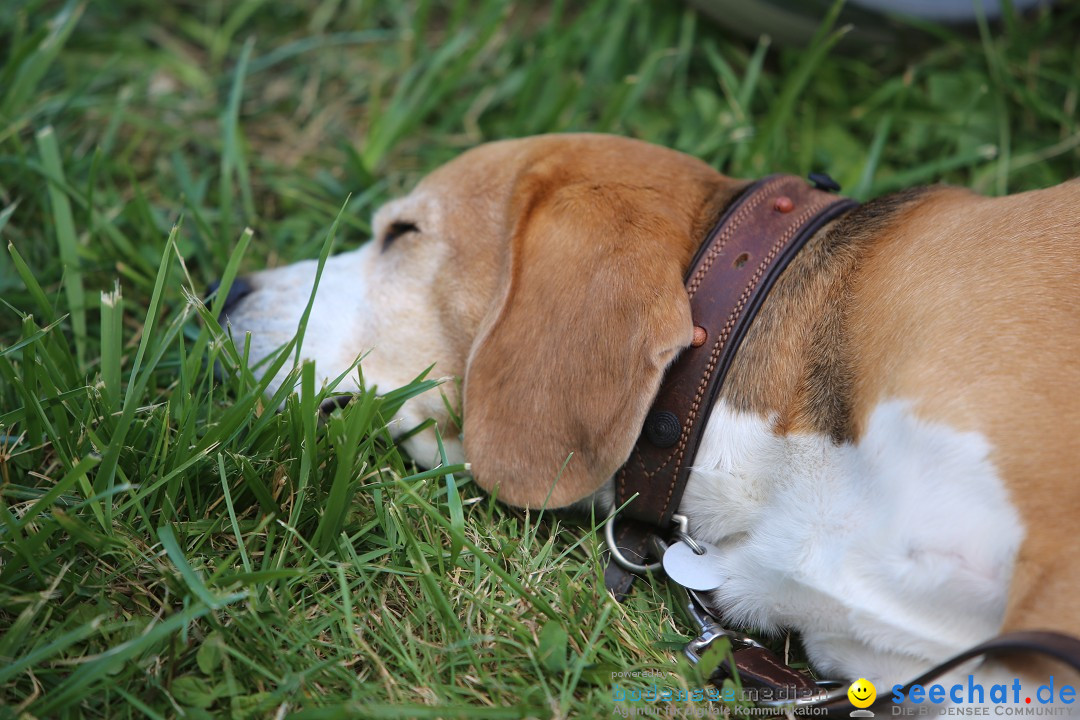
{"x":172,"y":547}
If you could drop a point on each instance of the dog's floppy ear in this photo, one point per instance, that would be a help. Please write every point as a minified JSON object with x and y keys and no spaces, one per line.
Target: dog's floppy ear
{"x":592,"y":309}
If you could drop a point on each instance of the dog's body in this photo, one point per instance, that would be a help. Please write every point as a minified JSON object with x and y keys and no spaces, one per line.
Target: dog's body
{"x":891,"y":467}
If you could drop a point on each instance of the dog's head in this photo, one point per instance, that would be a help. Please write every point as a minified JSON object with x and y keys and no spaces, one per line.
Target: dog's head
{"x":545,"y":273}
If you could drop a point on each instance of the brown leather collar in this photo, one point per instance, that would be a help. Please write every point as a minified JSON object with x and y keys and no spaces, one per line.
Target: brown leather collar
{"x":736,"y":266}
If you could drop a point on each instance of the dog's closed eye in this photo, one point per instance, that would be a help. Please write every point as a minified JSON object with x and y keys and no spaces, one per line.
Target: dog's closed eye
{"x":396,"y":230}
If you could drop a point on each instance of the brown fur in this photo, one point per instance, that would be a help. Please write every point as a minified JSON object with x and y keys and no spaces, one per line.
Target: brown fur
{"x":797,"y":360}
{"x":969,"y":307}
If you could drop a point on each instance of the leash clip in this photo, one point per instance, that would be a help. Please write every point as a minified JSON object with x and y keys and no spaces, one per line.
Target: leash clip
{"x":711,"y":630}
{"x":827,"y":692}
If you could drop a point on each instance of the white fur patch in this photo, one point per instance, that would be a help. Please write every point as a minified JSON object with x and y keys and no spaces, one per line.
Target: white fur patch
{"x":888,"y":555}
{"x":361,"y":307}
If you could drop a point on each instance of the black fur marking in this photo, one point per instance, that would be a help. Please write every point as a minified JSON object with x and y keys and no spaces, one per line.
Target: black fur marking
{"x":815,"y":290}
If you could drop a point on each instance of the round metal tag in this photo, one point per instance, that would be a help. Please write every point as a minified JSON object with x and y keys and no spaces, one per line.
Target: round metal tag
{"x":687,"y":568}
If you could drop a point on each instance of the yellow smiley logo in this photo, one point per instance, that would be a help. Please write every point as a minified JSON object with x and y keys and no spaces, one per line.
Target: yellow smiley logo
{"x":862,"y":693}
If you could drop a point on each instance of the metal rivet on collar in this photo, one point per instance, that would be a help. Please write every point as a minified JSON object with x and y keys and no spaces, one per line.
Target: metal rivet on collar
{"x":663,"y":428}
{"x":784,"y":204}
{"x":700,"y":336}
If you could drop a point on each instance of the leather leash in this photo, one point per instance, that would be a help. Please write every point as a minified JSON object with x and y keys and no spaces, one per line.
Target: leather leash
{"x":1058,"y":646}
{"x":742,"y":257}
{"x":782,"y":688}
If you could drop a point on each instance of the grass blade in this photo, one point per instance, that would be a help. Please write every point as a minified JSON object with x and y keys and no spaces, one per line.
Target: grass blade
{"x":112,"y":345}
{"x":232,"y":154}
{"x":37,"y":63}
{"x":68,"y":243}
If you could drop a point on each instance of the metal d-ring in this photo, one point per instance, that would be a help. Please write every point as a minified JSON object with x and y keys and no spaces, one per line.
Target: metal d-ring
{"x":620,"y":559}
{"x":681,"y":532}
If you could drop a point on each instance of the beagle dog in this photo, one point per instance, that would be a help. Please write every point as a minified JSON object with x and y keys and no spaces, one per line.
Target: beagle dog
{"x":891,"y":468}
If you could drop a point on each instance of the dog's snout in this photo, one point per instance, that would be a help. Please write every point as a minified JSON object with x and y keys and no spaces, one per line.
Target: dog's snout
{"x":239,"y":289}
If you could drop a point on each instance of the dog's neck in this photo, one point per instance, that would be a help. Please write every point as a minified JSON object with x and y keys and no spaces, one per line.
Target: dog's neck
{"x":795,"y":365}
{"x":794,"y":372}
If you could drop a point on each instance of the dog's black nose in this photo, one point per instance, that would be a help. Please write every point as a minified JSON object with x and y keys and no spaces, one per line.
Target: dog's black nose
{"x":239,"y":289}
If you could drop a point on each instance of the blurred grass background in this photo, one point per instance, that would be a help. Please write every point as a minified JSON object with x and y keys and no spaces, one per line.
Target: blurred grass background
{"x":168,"y":547}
